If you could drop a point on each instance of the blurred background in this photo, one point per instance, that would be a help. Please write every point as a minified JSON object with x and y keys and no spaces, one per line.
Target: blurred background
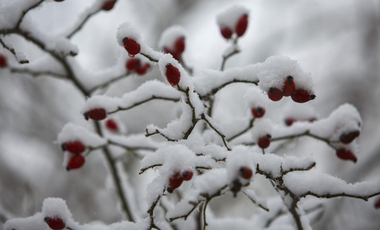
{"x":336,"y":41}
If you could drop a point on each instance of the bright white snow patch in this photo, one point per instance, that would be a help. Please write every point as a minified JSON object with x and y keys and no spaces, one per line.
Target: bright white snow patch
{"x":231,"y":16}
{"x":56,"y":207}
{"x":72,"y":132}
{"x":170,"y":36}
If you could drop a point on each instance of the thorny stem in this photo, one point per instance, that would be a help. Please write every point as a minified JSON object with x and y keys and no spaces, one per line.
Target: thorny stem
{"x":234,"y":51}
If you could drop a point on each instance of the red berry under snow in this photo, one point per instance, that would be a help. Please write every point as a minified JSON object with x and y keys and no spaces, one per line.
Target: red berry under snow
{"x":241,"y":25}
{"x":141,"y":70}
{"x":290,"y":121}
{"x":258,"y":112}
{"x":172,"y":74}
{"x":112,"y":125}
{"x":174,"y":182}
{"x":132,"y":64}
{"x":289,"y":86}
{"x":108,"y":5}
{"x":96,"y":114}
{"x":226,"y":32}
{"x":55,"y":223}
{"x":275,"y":94}
{"x":75,"y":147}
{"x":75,"y":162}
{"x":264,"y":141}
{"x":187,"y":175}
{"x":246,"y":172}
{"x":3,"y":61}
{"x":179,"y":45}
{"x":377,"y":203}
{"x":175,"y":55}
{"x":302,"y":96}
{"x":345,"y":154}
{"x":347,"y":138}
{"x":131,"y":46}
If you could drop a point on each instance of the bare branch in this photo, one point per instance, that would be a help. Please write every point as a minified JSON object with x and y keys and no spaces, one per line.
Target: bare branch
{"x":251,"y":122}
{"x":23,"y":61}
{"x":150,"y":167}
{"x":106,"y":84}
{"x":217,"y":131}
{"x":26,"y":11}
{"x":38,"y":74}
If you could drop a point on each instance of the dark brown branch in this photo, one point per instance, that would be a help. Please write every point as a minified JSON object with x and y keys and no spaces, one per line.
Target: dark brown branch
{"x":158,"y":132}
{"x":306,"y":133}
{"x":81,"y":24}
{"x":151,"y":213}
{"x":129,"y":148}
{"x":37,"y":74}
{"x":106,"y":84}
{"x":253,"y":201}
{"x":328,"y":195}
{"x":149,"y":57}
{"x":150,"y":167}
{"x":312,"y":165}
{"x":26,"y":11}
{"x":234,"y":51}
{"x":217,"y":131}
{"x":215,"y":90}
{"x":195,"y":205}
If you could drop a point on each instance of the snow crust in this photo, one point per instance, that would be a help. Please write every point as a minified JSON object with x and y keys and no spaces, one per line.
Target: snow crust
{"x":231,"y":16}
{"x":72,"y":132}
{"x":170,"y":35}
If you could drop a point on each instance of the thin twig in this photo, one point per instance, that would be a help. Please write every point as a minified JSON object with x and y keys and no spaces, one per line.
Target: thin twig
{"x":24,"y":61}
{"x":217,"y":131}
{"x":149,"y":57}
{"x":26,"y":11}
{"x":216,"y":89}
{"x":38,"y":74}
{"x":234,"y":51}
{"x":243,"y":131}
{"x":82,"y":23}
{"x":106,"y":84}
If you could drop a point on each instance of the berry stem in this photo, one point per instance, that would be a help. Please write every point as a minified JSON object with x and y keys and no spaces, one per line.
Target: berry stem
{"x":149,"y":57}
{"x":81,"y":23}
{"x":232,"y":53}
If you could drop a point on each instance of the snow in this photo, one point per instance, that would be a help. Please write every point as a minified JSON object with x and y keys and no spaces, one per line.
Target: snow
{"x":72,"y":132}
{"x":261,"y":128}
{"x":56,"y":207}
{"x":108,"y":103}
{"x":321,"y":184}
{"x":170,"y":36}
{"x":237,"y":158}
{"x":35,"y":222}
{"x":276,"y":69}
{"x":166,"y":59}
{"x":231,"y":16}
{"x":11,"y":11}
{"x":254,"y":98}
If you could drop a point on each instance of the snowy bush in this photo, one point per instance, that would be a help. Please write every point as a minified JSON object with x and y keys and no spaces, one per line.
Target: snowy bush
{"x":200,"y":155}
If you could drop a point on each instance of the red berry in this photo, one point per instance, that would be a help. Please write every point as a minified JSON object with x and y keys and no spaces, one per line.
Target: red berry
{"x":347,"y":138}
{"x":96,"y":114}
{"x":258,"y":112}
{"x":75,"y":162}
{"x":226,"y":32}
{"x":241,"y":25}
{"x":377,"y":203}
{"x":55,"y":223}
{"x":172,"y":74}
{"x":108,"y":5}
{"x":131,"y":46}
{"x":187,"y":175}
{"x":175,"y":55}
{"x":302,"y":96}
{"x":289,"y":86}
{"x":345,"y":154}
{"x":246,"y":172}
{"x":3,"y":61}
{"x":132,"y":64}
{"x":75,"y":147}
{"x":174,"y":182}
{"x":112,"y":125}
{"x":290,"y":121}
{"x":275,"y":94}
{"x":264,"y":141}
{"x":141,"y":70}
{"x":179,"y":45}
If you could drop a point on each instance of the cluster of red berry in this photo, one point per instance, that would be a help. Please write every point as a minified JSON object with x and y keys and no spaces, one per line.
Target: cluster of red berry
{"x":245,"y":173}
{"x":136,"y":65}
{"x":347,"y":138}
{"x":177,"y":178}
{"x":239,"y":29}
{"x":179,"y":47}
{"x":289,"y":89}
{"x":75,"y":148}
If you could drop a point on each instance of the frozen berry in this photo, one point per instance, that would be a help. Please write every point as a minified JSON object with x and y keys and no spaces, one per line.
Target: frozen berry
{"x":275,"y":94}
{"x":289,"y":121}
{"x":172,"y":74}
{"x":289,"y":86}
{"x":264,"y":141}
{"x":377,"y":203}
{"x":246,"y":172}
{"x":241,"y":25}
{"x":179,"y":45}
{"x":345,"y":154}
{"x":96,"y":114}
{"x":141,"y":70}
{"x":3,"y":61}
{"x":347,"y":138}
{"x":302,"y":96}
{"x":258,"y":112}
{"x":187,"y":175}
{"x":174,"y":182}
{"x":112,"y":125}
{"x":108,"y":5}
{"x":75,"y":162}
{"x":55,"y":223}
{"x":226,"y":32}
{"x":131,"y":46}
{"x":132,"y":64}
{"x":75,"y":147}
